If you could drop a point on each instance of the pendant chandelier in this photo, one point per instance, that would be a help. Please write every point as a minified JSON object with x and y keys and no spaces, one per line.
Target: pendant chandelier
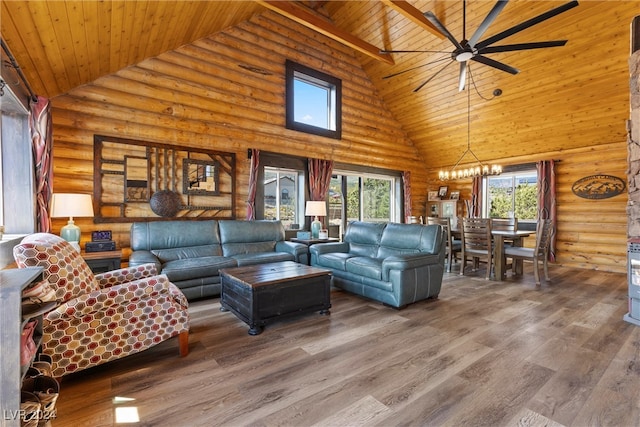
{"x":479,"y":168}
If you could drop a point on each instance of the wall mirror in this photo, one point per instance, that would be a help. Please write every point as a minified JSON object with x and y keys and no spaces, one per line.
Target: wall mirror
{"x":200,"y":177}
{"x":136,"y":179}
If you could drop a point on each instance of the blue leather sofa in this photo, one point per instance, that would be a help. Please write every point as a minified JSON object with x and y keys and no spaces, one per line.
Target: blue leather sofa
{"x":396,"y":264}
{"x":191,"y":253}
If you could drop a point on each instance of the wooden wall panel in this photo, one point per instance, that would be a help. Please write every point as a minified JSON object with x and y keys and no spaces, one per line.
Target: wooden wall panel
{"x":226,"y":93}
{"x":591,"y":234}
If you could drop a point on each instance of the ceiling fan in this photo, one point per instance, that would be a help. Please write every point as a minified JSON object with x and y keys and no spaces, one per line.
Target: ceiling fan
{"x":475,"y":50}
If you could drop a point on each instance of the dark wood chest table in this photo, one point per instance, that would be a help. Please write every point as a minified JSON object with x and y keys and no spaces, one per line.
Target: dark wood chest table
{"x":257,"y":294}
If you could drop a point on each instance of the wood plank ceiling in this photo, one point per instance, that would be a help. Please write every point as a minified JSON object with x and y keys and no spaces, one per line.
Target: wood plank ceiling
{"x":545,"y":108}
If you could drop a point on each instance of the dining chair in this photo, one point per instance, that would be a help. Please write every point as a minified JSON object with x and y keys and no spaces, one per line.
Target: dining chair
{"x":453,"y":247}
{"x":540,"y":252}
{"x":476,"y":243}
{"x":505,"y":224}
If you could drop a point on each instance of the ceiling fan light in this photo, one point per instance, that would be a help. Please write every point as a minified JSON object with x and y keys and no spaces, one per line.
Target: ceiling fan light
{"x":464,"y":56}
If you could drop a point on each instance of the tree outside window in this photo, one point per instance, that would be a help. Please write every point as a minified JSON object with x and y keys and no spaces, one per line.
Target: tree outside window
{"x":512,"y":195}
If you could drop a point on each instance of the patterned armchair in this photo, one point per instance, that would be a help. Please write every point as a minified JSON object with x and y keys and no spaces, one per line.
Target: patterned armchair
{"x":105,"y":316}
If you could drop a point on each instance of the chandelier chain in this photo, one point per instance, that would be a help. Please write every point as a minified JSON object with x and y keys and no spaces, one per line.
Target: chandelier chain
{"x":481,"y":169}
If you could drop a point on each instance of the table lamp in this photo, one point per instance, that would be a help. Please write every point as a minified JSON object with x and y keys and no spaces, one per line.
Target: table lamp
{"x":70,"y":205}
{"x":316,"y":209}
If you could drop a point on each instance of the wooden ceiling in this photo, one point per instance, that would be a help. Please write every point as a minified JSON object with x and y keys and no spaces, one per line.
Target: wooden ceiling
{"x":565,"y":97}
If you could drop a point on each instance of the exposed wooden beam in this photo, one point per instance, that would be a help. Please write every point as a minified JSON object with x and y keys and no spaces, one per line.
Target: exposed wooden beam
{"x":413,"y":14}
{"x":301,"y":16}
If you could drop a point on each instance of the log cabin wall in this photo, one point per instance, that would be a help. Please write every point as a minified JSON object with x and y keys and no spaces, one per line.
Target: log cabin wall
{"x":591,"y":234}
{"x":226,"y":92}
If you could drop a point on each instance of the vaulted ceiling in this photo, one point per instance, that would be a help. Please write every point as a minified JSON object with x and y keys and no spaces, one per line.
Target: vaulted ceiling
{"x":564,"y":97}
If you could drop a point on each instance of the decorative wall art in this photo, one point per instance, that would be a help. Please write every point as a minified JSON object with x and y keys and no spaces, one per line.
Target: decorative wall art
{"x":442,"y":192}
{"x":137,"y":180}
{"x":598,"y":187}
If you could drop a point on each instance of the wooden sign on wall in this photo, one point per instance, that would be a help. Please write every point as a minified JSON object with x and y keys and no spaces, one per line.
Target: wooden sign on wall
{"x":138,"y":180}
{"x":598,"y":187}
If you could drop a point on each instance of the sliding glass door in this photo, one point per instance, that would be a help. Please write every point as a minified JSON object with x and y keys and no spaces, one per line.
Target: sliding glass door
{"x":362,"y":197}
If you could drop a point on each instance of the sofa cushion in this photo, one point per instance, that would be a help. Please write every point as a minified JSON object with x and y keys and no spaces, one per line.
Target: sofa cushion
{"x":233,"y":249}
{"x":190,"y":268}
{"x":173,"y":234}
{"x":400,"y":239}
{"x":364,"y":237}
{"x":245,"y":237}
{"x":335,"y":260}
{"x":262,"y":258}
{"x":172,"y":254}
{"x":250,"y":231}
{"x":365,"y":266}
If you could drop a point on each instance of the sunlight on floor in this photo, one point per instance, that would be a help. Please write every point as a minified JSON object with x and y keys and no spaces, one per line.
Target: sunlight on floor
{"x":125,"y":414}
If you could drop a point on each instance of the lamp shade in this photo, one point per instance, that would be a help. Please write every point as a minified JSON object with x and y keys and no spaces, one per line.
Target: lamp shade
{"x":70,"y":205}
{"x":316,"y":209}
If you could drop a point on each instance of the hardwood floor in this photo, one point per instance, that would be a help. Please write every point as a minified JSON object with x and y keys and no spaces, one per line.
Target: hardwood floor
{"x":485,"y":353}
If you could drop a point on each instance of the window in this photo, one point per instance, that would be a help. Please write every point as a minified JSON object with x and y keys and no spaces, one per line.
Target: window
{"x":363,"y":197}
{"x":282,"y":192}
{"x":313,"y":101}
{"x":17,"y":183}
{"x":512,"y":194}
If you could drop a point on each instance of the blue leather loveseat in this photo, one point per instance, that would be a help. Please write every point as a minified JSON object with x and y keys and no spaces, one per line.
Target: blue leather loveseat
{"x":191,"y":253}
{"x":396,"y":264}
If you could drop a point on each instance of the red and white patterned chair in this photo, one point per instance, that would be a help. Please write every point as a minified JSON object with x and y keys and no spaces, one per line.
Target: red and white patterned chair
{"x":105,"y":316}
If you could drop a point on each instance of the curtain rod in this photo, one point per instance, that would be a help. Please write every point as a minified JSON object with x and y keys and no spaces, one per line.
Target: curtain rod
{"x":15,"y":65}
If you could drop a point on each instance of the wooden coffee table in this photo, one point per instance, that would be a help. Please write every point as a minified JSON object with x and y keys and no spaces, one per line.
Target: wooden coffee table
{"x":258,"y":294}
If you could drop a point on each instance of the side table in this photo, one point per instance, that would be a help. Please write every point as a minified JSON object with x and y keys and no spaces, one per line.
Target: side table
{"x":310,"y":242}
{"x":100,"y":262}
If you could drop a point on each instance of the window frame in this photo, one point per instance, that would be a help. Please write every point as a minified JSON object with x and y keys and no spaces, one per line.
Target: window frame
{"x":512,"y":172}
{"x":295,"y":71}
{"x":396,"y":202}
{"x":299,"y":195}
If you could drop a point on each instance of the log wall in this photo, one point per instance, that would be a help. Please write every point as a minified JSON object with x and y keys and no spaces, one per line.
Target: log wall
{"x":591,"y":233}
{"x":226,"y":92}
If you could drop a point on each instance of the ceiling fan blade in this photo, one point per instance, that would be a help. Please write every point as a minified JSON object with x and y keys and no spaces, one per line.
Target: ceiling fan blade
{"x":432,"y":77}
{"x":488,"y":20}
{"x":495,"y":64}
{"x":463,"y":76}
{"x":521,"y":46}
{"x":416,"y":67}
{"x":526,"y":24}
{"x":436,"y":23}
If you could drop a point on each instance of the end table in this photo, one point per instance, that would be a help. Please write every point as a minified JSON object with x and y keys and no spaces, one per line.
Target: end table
{"x":100,"y":262}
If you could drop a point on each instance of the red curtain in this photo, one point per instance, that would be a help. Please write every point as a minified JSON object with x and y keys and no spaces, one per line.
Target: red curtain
{"x":476,"y":198}
{"x":42,"y":143}
{"x":319,"y":178}
{"x":406,"y":183}
{"x":547,"y":199}
{"x":253,"y":184}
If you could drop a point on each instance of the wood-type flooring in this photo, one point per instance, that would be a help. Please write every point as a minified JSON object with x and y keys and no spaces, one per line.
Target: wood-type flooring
{"x":485,"y":353}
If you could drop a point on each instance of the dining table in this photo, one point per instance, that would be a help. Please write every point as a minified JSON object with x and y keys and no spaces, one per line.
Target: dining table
{"x":499,"y":237}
